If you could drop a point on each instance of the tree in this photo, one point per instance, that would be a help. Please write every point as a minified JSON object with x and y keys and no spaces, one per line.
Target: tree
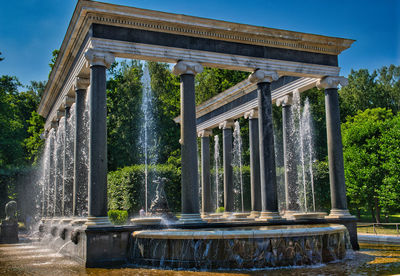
{"x":369,"y":150}
{"x":124,"y":92}
{"x":365,"y":90}
{"x":34,"y":143}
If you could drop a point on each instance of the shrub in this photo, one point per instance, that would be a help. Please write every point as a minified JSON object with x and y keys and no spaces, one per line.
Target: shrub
{"x":126,"y":187}
{"x":118,"y":217}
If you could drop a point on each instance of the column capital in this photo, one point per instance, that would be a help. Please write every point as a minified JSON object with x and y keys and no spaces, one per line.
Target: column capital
{"x":68,"y":101}
{"x":101,"y":58}
{"x":331,"y":82}
{"x":226,"y":124}
{"x":252,"y":114}
{"x":81,"y":83}
{"x":259,"y":76}
{"x":204,"y":133}
{"x":286,"y":100}
{"x":187,"y":67}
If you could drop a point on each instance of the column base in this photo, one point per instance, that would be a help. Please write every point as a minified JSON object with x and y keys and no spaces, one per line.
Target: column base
{"x":266,"y":216}
{"x":97,"y":222}
{"x":190,"y":218}
{"x":289,"y":214}
{"x":254,"y":214}
{"x":339,"y":214}
{"x":227,"y":215}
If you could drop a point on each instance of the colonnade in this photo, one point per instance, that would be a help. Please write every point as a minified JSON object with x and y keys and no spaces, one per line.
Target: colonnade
{"x":264,"y":201}
{"x":264,"y":204}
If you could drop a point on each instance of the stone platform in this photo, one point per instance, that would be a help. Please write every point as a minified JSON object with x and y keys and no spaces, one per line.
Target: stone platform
{"x":111,"y":246}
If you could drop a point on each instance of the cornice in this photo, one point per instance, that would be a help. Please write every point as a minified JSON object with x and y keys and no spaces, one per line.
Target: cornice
{"x":214,"y":29}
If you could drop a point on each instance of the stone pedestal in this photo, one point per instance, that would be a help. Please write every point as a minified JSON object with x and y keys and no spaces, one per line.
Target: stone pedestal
{"x":9,"y":232}
{"x":269,"y":195}
{"x":97,"y":192}
{"x":190,"y":186}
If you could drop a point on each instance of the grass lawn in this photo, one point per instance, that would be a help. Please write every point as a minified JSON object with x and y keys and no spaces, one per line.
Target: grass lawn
{"x":394,"y":218}
{"x":363,"y":227}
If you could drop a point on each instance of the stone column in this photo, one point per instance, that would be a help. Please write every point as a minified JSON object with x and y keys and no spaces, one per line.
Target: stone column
{"x":205,"y":172}
{"x":289,"y":156}
{"x":66,"y":203}
{"x":226,"y":127}
{"x":80,"y":185}
{"x":335,"y":148}
{"x":255,"y":184}
{"x":190,"y":185}
{"x":269,"y":196}
{"x":97,"y":190}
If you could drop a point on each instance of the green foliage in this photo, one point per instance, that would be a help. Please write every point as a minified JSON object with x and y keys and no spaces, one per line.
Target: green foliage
{"x":365,"y":90}
{"x":213,"y":81}
{"x":118,"y":217}
{"x":34,"y":143}
{"x":53,"y":59}
{"x":371,"y":149}
{"x":126,"y":187}
{"x":220,"y":210}
{"x":165,"y":87}
{"x":124,"y":90}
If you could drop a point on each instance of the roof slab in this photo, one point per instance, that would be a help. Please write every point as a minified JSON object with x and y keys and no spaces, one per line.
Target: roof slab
{"x":134,"y":33}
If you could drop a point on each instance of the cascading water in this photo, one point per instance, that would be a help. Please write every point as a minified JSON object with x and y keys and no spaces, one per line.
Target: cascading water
{"x":148,"y":136}
{"x":217,"y":161}
{"x":44,"y":178}
{"x":58,"y":164}
{"x":237,"y":165}
{"x":303,"y":135}
{"x":308,"y":144}
{"x":69,"y":166}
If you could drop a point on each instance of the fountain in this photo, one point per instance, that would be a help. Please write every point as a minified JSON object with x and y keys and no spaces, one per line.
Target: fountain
{"x":191,"y":43}
{"x":237,"y":164}
{"x":303,"y":136}
{"x":148,"y":135}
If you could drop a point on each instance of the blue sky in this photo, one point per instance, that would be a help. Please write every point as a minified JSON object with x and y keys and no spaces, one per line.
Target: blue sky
{"x":31,"y":29}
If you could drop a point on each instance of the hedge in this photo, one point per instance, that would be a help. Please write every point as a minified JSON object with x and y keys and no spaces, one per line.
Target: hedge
{"x":126,"y":187}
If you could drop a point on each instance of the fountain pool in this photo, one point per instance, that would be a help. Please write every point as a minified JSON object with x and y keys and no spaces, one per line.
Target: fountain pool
{"x":240,"y":247}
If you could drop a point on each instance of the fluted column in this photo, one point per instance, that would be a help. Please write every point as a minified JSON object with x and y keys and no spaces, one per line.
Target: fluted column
{"x":97,"y":190}
{"x":226,"y":127}
{"x":190,"y":185}
{"x":66,"y":207}
{"x":335,"y":147}
{"x":205,"y":172}
{"x":269,"y":196}
{"x":79,"y":185}
{"x":255,"y":184}
{"x":289,"y":156}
